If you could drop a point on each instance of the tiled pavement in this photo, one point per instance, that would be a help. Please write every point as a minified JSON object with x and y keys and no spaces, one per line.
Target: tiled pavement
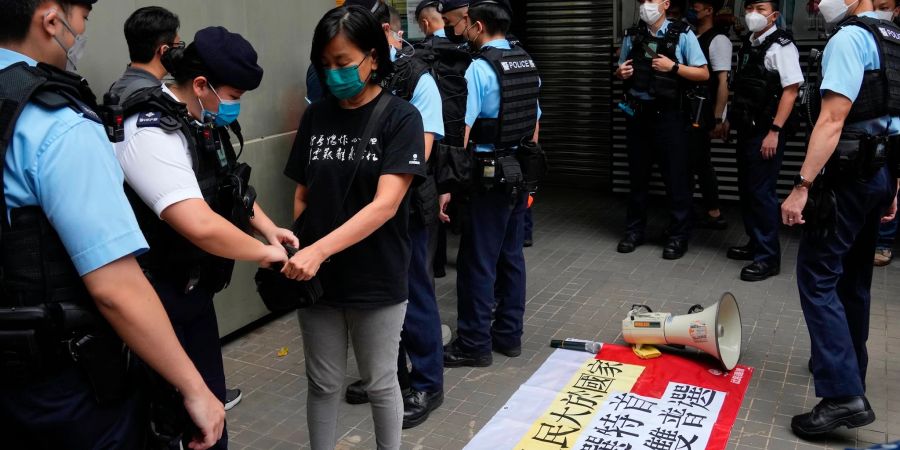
{"x":578,"y":286}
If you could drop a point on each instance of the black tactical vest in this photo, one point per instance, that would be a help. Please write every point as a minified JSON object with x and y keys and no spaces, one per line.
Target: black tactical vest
{"x":879,"y":94}
{"x":662,"y":86}
{"x":223,"y":182}
{"x":36,"y":268}
{"x":712,"y":85}
{"x":757,"y":90}
{"x":519,"y":91}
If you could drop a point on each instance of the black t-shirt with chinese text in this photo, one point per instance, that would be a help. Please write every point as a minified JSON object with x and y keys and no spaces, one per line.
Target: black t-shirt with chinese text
{"x":373,"y":272}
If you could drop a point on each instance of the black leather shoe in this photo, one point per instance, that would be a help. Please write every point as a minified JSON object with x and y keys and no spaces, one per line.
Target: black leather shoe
{"x":356,"y":393}
{"x":454,"y":357}
{"x":630,"y":242}
{"x":418,"y":405}
{"x":528,"y":243}
{"x":742,"y":253}
{"x":829,"y":414}
{"x":675,"y":249}
{"x":759,"y":271}
{"x":511,"y":352}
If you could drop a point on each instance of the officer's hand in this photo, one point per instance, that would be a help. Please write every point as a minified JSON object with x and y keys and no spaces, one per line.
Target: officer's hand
{"x":305,"y":264}
{"x":891,"y":212}
{"x":208,"y":414}
{"x":769,"y":145}
{"x":663,"y":64}
{"x":273,"y":254}
{"x":625,"y":70}
{"x":792,"y":208}
{"x":443,"y":201}
{"x":721,"y":131}
{"x":282,"y":236}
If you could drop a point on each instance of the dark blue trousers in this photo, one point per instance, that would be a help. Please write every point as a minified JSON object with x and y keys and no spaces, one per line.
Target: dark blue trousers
{"x":193,"y":317}
{"x":529,"y":225}
{"x":420,"y":339}
{"x":491,"y":273}
{"x":834,"y":275}
{"x":757,"y":184}
{"x":61,"y":413}
{"x":659,"y":136}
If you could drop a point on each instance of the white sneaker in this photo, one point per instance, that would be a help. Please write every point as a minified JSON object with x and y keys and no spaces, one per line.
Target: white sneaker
{"x":232,"y":398}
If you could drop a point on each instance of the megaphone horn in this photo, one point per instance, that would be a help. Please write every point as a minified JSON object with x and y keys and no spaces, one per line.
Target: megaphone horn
{"x":715,"y":330}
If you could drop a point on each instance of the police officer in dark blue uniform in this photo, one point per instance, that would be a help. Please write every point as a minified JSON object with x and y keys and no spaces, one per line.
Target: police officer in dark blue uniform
{"x":658,"y":59}
{"x":847,"y":183}
{"x":766,"y":85}
{"x":501,"y":122}
{"x":65,"y":377}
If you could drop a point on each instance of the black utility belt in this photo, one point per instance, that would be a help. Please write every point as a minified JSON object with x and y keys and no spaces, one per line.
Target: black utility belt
{"x":862,"y":156}
{"x":38,"y":342}
{"x":498,"y":169}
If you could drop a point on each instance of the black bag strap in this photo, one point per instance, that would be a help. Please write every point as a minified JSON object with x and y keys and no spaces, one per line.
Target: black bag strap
{"x":374,"y":121}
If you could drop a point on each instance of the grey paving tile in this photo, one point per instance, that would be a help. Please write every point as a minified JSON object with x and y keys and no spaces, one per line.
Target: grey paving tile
{"x":578,"y":286}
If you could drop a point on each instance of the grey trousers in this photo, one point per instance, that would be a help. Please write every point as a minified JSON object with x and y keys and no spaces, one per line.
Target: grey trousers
{"x":375,"y":335}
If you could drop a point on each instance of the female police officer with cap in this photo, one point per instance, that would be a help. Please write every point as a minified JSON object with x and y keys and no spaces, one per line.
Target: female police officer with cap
{"x":174,"y":159}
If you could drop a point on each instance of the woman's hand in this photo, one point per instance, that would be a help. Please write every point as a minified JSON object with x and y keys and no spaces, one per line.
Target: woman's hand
{"x":305,"y":264}
{"x":272,"y":255}
{"x":282,"y":236}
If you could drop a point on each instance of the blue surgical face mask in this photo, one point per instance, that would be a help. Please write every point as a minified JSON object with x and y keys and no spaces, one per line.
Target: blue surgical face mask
{"x":344,"y":82}
{"x":393,"y":53}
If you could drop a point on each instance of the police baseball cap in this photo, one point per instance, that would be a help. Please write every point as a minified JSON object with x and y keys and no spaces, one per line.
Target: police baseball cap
{"x":450,"y":5}
{"x":501,"y":3}
{"x":427,"y":4}
{"x":371,"y":5}
{"x":230,"y":58}
{"x":775,"y":3}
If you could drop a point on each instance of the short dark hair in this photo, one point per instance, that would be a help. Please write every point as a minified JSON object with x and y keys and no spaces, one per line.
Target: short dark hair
{"x":494,"y":17}
{"x":361,"y":28}
{"x":395,"y":17}
{"x":15,"y":20}
{"x":382,"y":13}
{"x":185,"y":65}
{"x":148,"y":28}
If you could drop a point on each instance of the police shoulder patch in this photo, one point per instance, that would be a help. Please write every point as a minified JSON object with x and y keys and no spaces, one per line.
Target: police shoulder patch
{"x":889,"y":33}
{"x":149,"y":119}
{"x":86,"y":111}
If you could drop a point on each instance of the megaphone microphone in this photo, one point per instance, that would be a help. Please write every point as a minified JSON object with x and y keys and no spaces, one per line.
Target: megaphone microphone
{"x":715,"y":330}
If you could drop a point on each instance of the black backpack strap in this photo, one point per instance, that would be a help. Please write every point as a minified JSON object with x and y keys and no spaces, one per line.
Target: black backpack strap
{"x":157,"y":109}
{"x":18,"y":84}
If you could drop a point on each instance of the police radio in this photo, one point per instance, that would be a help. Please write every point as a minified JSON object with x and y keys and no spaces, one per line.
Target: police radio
{"x":113,"y":116}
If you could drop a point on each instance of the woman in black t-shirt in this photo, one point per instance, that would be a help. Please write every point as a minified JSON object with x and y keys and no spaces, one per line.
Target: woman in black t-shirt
{"x":362,"y":263}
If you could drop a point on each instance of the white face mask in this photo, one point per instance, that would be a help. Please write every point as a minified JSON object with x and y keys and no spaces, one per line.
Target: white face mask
{"x":650,"y":12}
{"x":834,"y":10}
{"x":756,"y":22}
{"x":885,"y":15}
{"x":76,"y":51}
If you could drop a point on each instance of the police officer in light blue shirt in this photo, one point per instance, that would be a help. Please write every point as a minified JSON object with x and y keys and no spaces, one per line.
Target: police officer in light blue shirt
{"x":69,"y":244}
{"x":658,"y":59}
{"x":491,"y":278}
{"x":850,"y":173}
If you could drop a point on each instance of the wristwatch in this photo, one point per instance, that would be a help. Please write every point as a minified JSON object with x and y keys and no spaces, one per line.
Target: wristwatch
{"x":800,"y":182}
{"x":775,"y":128}
{"x":675,"y":68}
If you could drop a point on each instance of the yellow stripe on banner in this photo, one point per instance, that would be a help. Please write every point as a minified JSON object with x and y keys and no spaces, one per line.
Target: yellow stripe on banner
{"x":578,"y":403}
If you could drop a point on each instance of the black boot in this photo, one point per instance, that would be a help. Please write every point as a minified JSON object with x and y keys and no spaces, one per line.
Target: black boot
{"x":356,"y":393}
{"x":829,"y":414}
{"x":418,"y":405}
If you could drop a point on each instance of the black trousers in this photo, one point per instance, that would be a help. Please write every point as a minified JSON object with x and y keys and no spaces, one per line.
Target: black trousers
{"x":193,"y":317}
{"x":703,"y":169}
{"x":660,"y":136}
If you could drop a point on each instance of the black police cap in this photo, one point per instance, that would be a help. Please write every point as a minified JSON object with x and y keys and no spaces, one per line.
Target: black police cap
{"x":450,"y":5}
{"x":775,"y":3}
{"x":230,"y":58}
{"x":371,"y":5}
{"x":501,"y":3}
{"x":427,"y":4}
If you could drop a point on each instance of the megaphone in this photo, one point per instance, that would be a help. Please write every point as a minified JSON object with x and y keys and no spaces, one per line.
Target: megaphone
{"x":715,"y":330}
